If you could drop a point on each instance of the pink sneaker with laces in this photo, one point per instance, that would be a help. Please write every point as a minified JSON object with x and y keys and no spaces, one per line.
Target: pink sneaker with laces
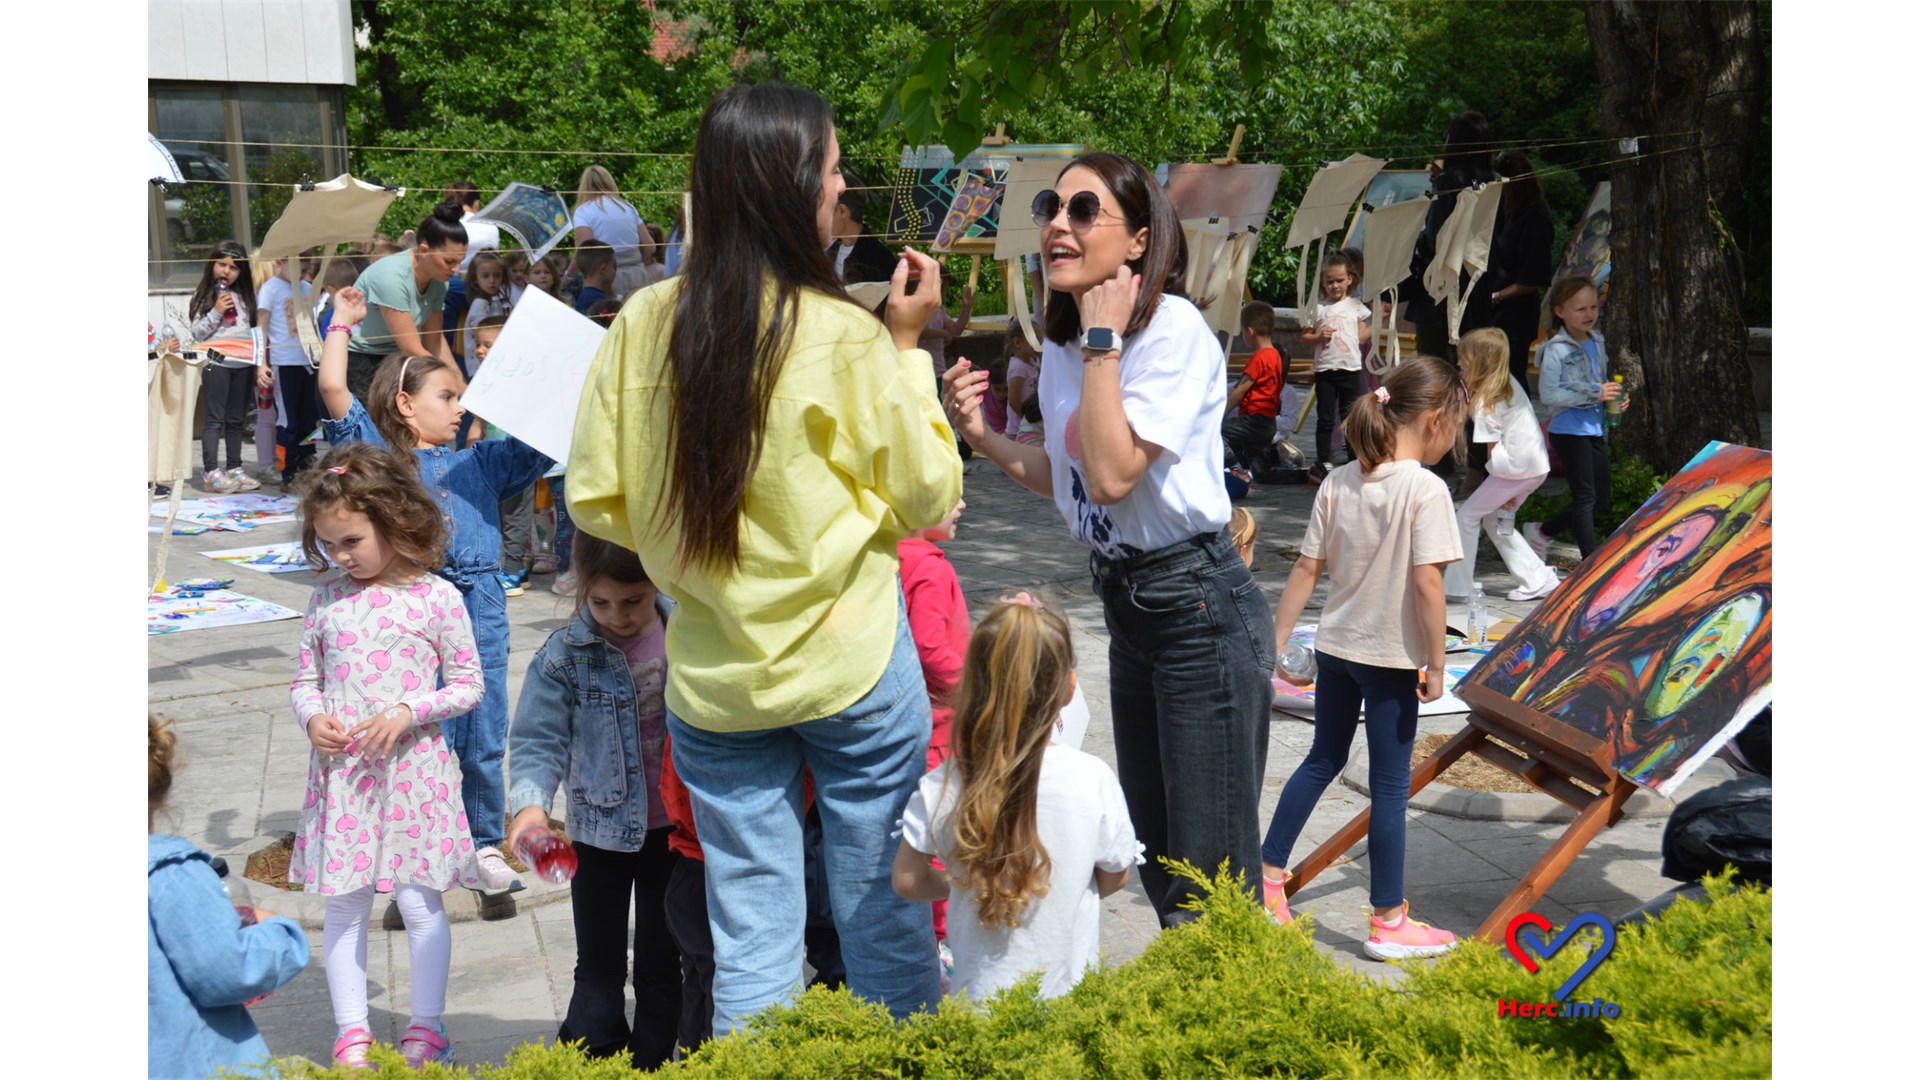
{"x":1405,"y":938}
{"x":422,"y":1044}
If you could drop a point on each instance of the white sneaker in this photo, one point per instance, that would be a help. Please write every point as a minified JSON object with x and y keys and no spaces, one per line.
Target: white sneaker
{"x":563,"y":585}
{"x":1523,"y":594}
{"x":1535,"y":538}
{"x":241,"y":481}
{"x":217,"y":482}
{"x":495,"y":874}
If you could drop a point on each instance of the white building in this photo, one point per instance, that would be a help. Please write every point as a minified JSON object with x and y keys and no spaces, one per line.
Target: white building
{"x":244,"y":93}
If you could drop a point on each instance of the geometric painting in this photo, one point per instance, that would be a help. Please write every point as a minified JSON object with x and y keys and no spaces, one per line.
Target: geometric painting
{"x":923,"y":187}
{"x":1661,"y":644}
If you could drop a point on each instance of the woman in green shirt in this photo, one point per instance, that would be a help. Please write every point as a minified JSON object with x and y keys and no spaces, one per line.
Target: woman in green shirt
{"x":405,"y":294}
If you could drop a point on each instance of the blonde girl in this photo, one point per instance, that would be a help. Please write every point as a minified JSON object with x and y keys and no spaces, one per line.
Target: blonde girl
{"x":1516,"y":465}
{"x":487,"y":285}
{"x":1032,"y":833}
{"x":1382,"y":527}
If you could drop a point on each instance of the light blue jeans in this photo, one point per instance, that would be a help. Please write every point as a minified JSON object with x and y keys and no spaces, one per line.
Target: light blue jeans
{"x":747,"y":804}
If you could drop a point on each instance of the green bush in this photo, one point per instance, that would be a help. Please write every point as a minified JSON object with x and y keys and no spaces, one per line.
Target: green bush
{"x":1633,"y":482}
{"x":1232,"y":995}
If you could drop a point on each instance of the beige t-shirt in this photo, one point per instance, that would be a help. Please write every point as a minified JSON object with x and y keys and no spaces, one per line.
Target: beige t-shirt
{"x":1373,"y":529}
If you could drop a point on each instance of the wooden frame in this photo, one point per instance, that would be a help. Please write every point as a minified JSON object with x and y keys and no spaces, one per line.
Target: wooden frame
{"x":1551,"y":756}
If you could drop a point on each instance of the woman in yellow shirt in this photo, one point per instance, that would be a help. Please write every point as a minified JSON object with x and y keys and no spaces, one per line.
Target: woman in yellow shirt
{"x":764,"y":469}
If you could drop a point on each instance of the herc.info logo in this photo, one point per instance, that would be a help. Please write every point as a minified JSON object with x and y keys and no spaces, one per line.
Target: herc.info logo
{"x":1532,"y":930}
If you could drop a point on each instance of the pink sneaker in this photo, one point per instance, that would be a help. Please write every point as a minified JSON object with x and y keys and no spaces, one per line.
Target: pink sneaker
{"x":422,"y":1044}
{"x":1405,"y":938}
{"x":350,"y":1049}
{"x":1275,"y":894}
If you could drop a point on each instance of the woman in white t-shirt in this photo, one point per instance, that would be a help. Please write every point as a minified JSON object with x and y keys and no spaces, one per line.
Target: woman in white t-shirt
{"x":601,"y":214}
{"x":1133,"y":384}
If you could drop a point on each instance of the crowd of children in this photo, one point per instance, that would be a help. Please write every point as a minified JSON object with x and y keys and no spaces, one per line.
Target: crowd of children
{"x":1013,"y":834}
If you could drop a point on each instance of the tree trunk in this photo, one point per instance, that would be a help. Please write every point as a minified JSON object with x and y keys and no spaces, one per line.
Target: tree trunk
{"x":1685,"y":79}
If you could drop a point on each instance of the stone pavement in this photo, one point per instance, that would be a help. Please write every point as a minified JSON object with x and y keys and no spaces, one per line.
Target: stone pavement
{"x":244,"y":764}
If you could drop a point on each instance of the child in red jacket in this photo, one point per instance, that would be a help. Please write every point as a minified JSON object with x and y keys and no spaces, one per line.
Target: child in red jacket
{"x":937,"y":615}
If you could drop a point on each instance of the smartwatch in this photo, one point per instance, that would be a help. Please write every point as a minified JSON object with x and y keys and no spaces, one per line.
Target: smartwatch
{"x":1099,"y":339}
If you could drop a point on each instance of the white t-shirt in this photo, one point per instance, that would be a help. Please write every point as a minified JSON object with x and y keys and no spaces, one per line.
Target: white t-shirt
{"x":275,"y":317}
{"x":1083,"y":824}
{"x":1344,"y":319}
{"x":1173,"y":387}
{"x":1373,"y":529}
{"x":1522,"y":450}
{"x":481,"y":236}
{"x":615,"y":222}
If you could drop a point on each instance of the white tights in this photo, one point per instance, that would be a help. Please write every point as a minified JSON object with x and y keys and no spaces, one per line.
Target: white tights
{"x":429,"y":950}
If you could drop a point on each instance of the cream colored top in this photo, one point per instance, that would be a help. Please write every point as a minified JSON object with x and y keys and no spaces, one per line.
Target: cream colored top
{"x":1373,"y":529}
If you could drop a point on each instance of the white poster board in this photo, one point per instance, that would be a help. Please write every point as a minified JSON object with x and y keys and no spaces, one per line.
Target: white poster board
{"x":531,"y":382}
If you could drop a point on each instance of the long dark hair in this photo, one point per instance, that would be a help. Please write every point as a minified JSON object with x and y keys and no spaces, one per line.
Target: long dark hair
{"x":757,"y":164}
{"x":242,"y":286}
{"x":1469,"y":136}
{"x":1523,"y":184}
{"x":1162,"y":267}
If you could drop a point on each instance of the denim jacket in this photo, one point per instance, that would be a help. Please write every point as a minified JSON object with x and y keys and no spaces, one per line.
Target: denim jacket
{"x":1566,"y":378}
{"x":201,"y":966}
{"x":578,"y":720}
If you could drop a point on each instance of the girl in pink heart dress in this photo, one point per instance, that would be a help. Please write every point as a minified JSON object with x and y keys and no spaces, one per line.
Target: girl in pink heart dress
{"x":386,"y":654}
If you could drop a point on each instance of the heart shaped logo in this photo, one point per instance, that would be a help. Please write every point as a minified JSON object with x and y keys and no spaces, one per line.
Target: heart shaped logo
{"x":1530,"y":929}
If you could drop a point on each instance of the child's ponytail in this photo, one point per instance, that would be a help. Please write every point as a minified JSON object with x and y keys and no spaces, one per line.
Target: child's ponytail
{"x":1409,"y":391}
{"x":1017,"y":677}
{"x":160,"y":740}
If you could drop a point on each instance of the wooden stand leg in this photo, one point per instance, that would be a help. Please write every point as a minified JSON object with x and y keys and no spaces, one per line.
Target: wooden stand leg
{"x":1350,"y":833}
{"x":1603,"y":811}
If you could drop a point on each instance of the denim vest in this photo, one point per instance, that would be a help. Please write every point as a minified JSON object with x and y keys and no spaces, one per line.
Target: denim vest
{"x":578,"y":721}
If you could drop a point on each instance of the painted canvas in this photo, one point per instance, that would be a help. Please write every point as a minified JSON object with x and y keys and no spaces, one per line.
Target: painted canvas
{"x":1661,"y":644}
{"x":978,"y":192}
{"x":281,"y":558}
{"x":174,"y":611}
{"x":535,"y":216}
{"x":1299,"y":699}
{"x":1236,"y":195}
{"x":232,"y":513}
{"x":924,"y":186}
{"x":1590,"y":252}
{"x":1389,"y":187}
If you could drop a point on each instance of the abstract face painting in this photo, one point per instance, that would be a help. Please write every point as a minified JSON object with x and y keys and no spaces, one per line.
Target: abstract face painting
{"x":1661,"y":645}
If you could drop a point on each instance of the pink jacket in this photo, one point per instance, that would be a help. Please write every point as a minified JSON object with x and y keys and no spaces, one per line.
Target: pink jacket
{"x":937,"y":615}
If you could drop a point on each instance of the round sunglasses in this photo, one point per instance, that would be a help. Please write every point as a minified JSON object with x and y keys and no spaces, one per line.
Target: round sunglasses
{"x":1082,"y":209}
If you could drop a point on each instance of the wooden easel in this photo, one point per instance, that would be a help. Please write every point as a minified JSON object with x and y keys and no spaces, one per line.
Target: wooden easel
{"x":1551,"y":757}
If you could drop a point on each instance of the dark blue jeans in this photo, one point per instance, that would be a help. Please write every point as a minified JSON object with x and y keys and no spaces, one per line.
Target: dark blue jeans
{"x":1190,"y":648}
{"x":1393,"y":707}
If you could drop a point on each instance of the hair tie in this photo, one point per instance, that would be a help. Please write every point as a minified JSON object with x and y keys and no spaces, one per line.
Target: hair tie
{"x":1024,"y":599}
{"x":337,"y":470}
{"x":1381,"y":393}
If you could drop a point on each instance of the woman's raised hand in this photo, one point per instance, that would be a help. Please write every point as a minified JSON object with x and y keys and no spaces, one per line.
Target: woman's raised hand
{"x":907,"y":315}
{"x":1110,"y":303}
{"x":960,"y":397}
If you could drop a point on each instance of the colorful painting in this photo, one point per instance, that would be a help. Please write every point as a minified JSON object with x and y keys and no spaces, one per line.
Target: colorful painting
{"x":924,"y":186}
{"x":535,"y":216}
{"x":1661,"y":644}
{"x":1299,"y":699}
{"x":284,"y":558}
{"x":1590,"y":252}
{"x":978,"y":192}
{"x":180,"y":609}
{"x":232,"y":513}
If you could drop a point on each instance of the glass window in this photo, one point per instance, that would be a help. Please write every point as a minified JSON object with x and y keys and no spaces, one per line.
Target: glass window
{"x":280,"y":125}
{"x":197,"y":213}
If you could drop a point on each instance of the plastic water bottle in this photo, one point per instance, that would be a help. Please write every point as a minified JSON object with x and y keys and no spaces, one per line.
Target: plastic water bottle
{"x":1296,"y":661}
{"x":1613,"y":407}
{"x":1477,"y":616}
{"x":1503,"y":522}
{"x":548,"y":856}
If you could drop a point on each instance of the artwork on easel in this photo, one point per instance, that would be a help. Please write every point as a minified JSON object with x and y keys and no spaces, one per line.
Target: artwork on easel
{"x":1590,"y":252}
{"x":923,"y":187}
{"x":1298,"y":700}
{"x":282,"y":558}
{"x":535,"y":216}
{"x":978,"y":192}
{"x":177,"y":610}
{"x":1389,"y":187}
{"x":1661,"y":644}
